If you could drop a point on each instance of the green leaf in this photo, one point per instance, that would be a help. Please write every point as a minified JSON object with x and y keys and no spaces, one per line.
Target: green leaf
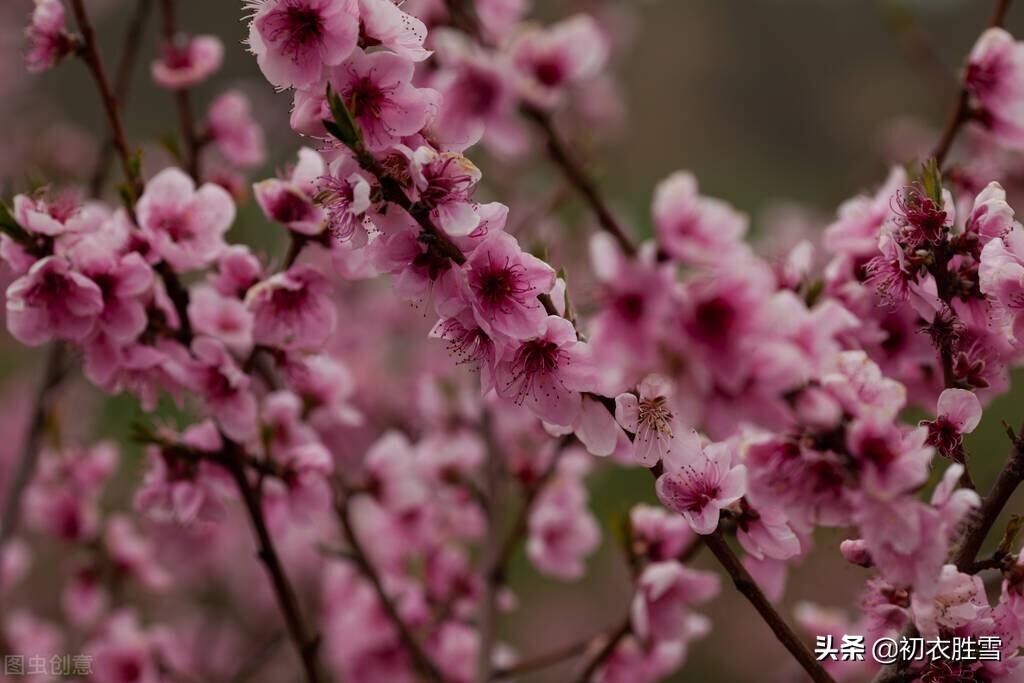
{"x":170,"y":143}
{"x":10,"y":227}
{"x":931,"y":180}
{"x":343,"y":126}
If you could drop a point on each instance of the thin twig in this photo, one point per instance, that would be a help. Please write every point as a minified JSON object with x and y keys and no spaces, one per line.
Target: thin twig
{"x":746,"y":585}
{"x":306,"y":642}
{"x":90,"y":53}
{"x":182,"y":97}
{"x":548,"y":659}
{"x":122,"y":86}
{"x":602,"y":655}
{"x":560,"y":154}
{"x":53,"y":373}
{"x":962,"y":112}
{"x":424,"y":664}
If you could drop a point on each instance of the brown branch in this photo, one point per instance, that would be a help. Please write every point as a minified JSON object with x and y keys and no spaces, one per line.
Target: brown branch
{"x":182,"y":97}
{"x":574,"y":172}
{"x":306,"y":642}
{"x":53,"y":372}
{"x":424,"y":664}
{"x":90,"y":53}
{"x":746,"y":585}
{"x":602,"y":655}
{"x":962,"y":112}
{"x":122,"y":86}
{"x":548,"y":659}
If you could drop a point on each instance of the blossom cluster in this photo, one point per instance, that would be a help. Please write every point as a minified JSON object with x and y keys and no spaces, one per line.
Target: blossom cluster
{"x":796,"y":369}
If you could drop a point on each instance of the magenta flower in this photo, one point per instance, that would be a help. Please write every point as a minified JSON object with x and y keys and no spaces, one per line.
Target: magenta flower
{"x":478,"y":96}
{"x":958,"y":413}
{"x":182,"y":490}
{"x":1001,"y":277}
{"x":226,"y":318}
{"x":694,"y":229}
{"x":48,"y":42}
{"x":223,"y":386}
{"x":377,"y":89}
{"x":122,"y":653}
{"x":232,"y":129}
{"x":562,"y":55}
{"x":293,"y":309}
{"x":650,"y":417}
{"x":345,"y":195}
{"x":184,"y":65}
{"x":699,"y":481}
{"x":237,"y":270}
{"x":44,"y":215}
{"x":995,"y":77}
{"x":52,"y":301}
{"x":562,"y":531}
{"x":393,"y":29}
{"x":662,"y":535}
{"x":444,"y":183}
{"x":290,"y":200}
{"x":665,"y":593}
{"x":185,"y":226}
{"x":502,"y":283}
{"x":294,"y":40}
{"x":546,"y":373}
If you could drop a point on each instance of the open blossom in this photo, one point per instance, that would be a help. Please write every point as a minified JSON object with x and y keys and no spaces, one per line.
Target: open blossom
{"x":958,"y":413}
{"x":125,"y":282}
{"x":1001,"y":276}
{"x":995,"y":70}
{"x":294,"y":40}
{"x":52,"y":301}
{"x":694,"y":229}
{"x":289,"y":200}
{"x":562,"y":531}
{"x":662,"y":534}
{"x":185,"y":226}
{"x":377,"y":90}
{"x":224,"y":387}
{"x":292,"y":309}
{"x":665,"y":593}
{"x":478,"y":96}
{"x":47,"y":39}
{"x":699,"y":481}
{"x":188,"y":62}
{"x":546,"y":373}
{"x":47,"y":215}
{"x":178,"y":488}
{"x":234,"y":132}
{"x":122,"y":652}
{"x":345,"y":195}
{"x":393,"y":29}
{"x":502,"y":283}
{"x":554,"y":58}
{"x":444,"y":183}
{"x":650,"y":417}
{"x":991,"y":216}
{"x":226,"y":318}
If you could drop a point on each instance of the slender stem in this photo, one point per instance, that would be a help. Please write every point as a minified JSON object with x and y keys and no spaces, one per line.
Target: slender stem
{"x":122,"y":86}
{"x":90,"y":53}
{"x":306,"y":642}
{"x":746,"y":585}
{"x":548,"y":659}
{"x":605,"y":652}
{"x":559,"y":152}
{"x":424,"y":664}
{"x":182,"y":97}
{"x":962,"y":113}
{"x":53,"y":373}
{"x":984,"y":518}
{"x":493,"y":500}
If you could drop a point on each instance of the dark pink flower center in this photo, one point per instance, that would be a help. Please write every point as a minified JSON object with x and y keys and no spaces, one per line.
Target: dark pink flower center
{"x":502,"y":286}
{"x":294,"y":27}
{"x":714,"y":319}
